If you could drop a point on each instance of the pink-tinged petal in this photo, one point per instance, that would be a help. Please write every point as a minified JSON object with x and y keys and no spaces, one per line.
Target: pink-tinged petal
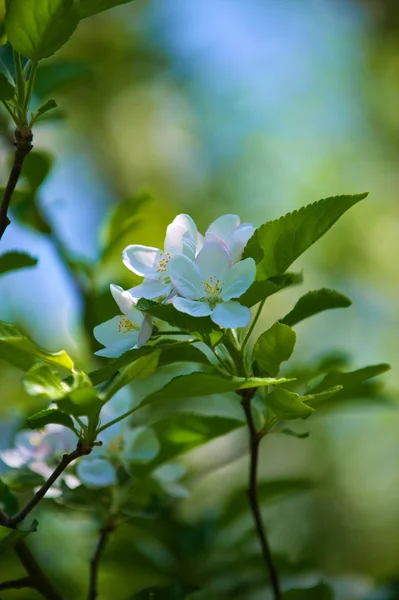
{"x":239,"y":278}
{"x":123,"y":298}
{"x":231,"y":315}
{"x":142,"y":260}
{"x":239,"y":239}
{"x":223,"y":227}
{"x":192,"y":307}
{"x":181,"y":237}
{"x":150,"y":288}
{"x":186,"y":277}
{"x":145,"y":331}
{"x":214,"y":261}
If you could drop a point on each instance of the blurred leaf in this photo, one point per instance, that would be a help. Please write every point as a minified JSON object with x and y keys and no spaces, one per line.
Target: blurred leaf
{"x":319,"y":592}
{"x":205,"y":384}
{"x":87,"y":8}
{"x":350,"y":379}
{"x":122,"y":220}
{"x":37,"y":166}
{"x":42,"y":381}
{"x":25,"y":209}
{"x":140,"y":369}
{"x":200,"y":327}
{"x":290,"y":432}
{"x":14,"y":260}
{"x":38,"y":28}
{"x":10,"y":537}
{"x":173,"y":592}
{"x":236,"y":505}
{"x":322,"y":396}
{"x":82,"y":402}
{"x":3,"y":37}
{"x":7,"y":90}
{"x":8,"y":502}
{"x":45,"y":108}
{"x":277,"y":244}
{"x":288,"y":405}
{"x":48,"y":416}
{"x":273,"y":347}
{"x":19,"y":350}
{"x":7,"y":66}
{"x":51,"y":77}
{"x":260,"y":290}
{"x":313,"y":303}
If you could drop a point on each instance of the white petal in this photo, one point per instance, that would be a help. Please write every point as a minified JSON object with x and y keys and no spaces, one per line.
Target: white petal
{"x":224,"y":226}
{"x":231,"y":315}
{"x":142,"y":260}
{"x":72,"y":481}
{"x":13,"y":458}
{"x":96,"y":472}
{"x":124,"y":299}
{"x":141,"y":445}
{"x":200,"y":242}
{"x":238,"y":279}
{"x":116,"y":329}
{"x":192,"y":307}
{"x":186,"y":277}
{"x":181,"y":237}
{"x":150,"y":288}
{"x":116,"y":349}
{"x":213,"y":260}
{"x":238,"y":240}
{"x":169,"y":472}
{"x":145,"y":331}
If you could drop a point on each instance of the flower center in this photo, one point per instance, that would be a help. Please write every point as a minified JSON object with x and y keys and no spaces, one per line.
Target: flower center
{"x":164,"y":258}
{"x":212,"y":289}
{"x":125,"y":325}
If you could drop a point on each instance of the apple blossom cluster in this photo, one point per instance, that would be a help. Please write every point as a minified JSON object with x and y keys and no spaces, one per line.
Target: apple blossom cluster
{"x":199,"y":275}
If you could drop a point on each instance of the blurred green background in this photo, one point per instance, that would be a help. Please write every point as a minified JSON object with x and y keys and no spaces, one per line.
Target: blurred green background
{"x":208,"y":107}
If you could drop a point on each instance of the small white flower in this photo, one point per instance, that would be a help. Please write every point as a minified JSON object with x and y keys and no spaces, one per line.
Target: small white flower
{"x":123,"y":332}
{"x":234,"y":234}
{"x":208,"y":285}
{"x":152,"y":264}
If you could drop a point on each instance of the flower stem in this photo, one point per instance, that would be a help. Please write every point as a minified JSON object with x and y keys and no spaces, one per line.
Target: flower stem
{"x":253,"y":324}
{"x":95,"y":561}
{"x":254,"y":442}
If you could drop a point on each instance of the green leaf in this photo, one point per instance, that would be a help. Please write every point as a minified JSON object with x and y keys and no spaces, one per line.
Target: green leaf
{"x":288,"y":405}
{"x":316,"y":398}
{"x":140,"y":369}
{"x":14,"y":260}
{"x":291,"y":433}
{"x":10,"y":537}
{"x":36,"y":168}
{"x":236,"y":505}
{"x":350,"y":379}
{"x":200,"y":327}
{"x":319,"y":592}
{"x":313,"y":303}
{"x":122,"y":221}
{"x":42,"y":381}
{"x":81,"y":402}
{"x":205,"y":384}
{"x":7,"y":90}
{"x":277,"y":244}
{"x":260,"y":290}
{"x":48,"y":416}
{"x":87,"y":8}
{"x":273,"y":347}
{"x":46,"y":107}
{"x":51,"y":77}
{"x":8,"y":502}
{"x":19,"y":350}
{"x":38,"y":28}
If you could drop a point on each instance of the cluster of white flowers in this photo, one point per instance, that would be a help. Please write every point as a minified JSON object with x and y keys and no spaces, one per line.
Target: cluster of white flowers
{"x":200,"y":275}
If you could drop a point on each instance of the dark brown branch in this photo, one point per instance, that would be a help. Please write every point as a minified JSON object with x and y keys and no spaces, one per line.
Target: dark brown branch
{"x":37,"y":577}
{"x":95,"y":561}
{"x":254,"y":441}
{"x":16,"y":584}
{"x":23,"y":145}
{"x":65,"y":461}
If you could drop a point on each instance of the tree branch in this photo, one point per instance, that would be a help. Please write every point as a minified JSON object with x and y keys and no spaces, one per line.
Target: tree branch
{"x":254,"y":441}
{"x":95,"y":561}
{"x":38,"y":579}
{"x":23,"y":145}
{"x":17,"y":584}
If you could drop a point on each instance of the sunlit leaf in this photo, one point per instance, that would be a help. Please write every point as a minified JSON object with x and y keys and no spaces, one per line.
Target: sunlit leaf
{"x":140,"y":369}
{"x":14,"y":260}
{"x":42,"y":381}
{"x":313,"y":303}
{"x":273,"y":347}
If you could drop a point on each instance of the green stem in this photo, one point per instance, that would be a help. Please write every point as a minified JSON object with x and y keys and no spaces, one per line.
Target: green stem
{"x":29,"y":90}
{"x":11,"y":113}
{"x":20,"y":84}
{"x":253,"y":324}
{"x":124,"y":416}
{"x":224,"y":364}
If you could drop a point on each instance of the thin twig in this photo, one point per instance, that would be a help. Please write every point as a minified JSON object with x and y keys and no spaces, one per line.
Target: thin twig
{"x":23,"y":145}
{"x":39,"y":580}
{"x":17,"y":584}
{"x":65,"y":461}
{"x":95,"y":561}
{"x":254,"y":441}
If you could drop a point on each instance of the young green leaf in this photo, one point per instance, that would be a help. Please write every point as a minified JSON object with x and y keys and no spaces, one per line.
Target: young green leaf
{"x":87,"y":8}
{"x":277,"y":244}
{"x":140,"y":369}
{"x":7,"y":90}
{"x":313,"y":303}
{"x":49,"y":416}
{"x":273,"y":347}
{"x":38,"y":28}
{"x":81,"y":402}
{"x":46,"y":107}
{"x":319,"y":592}
{"x":42,"y":381}
{"x":10,"y":537}
{"x":349,"y":379}
{"x":260,"y":290}
{"x":22,"y":352}
{"x":288,"y":405}
{"x":14,"y":260}
{"x":291,"y":433}
{"x":312,"y":399}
